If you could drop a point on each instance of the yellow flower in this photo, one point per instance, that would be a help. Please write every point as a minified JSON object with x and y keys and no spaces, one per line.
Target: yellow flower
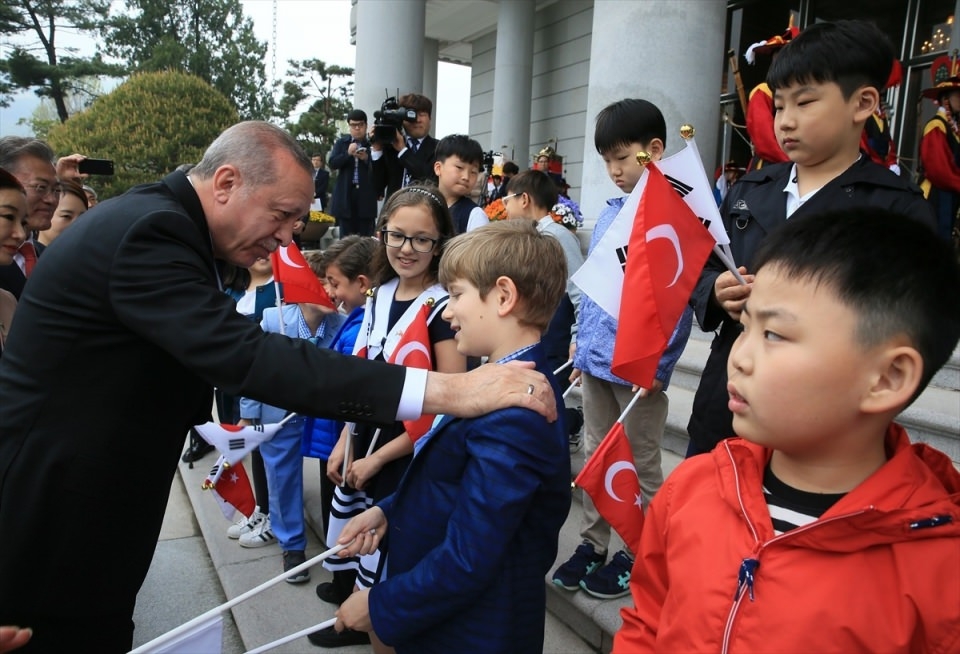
{"x":320,"y":217}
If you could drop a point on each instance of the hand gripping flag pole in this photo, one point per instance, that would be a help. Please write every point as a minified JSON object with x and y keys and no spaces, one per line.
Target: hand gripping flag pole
{"x":158,"y":643}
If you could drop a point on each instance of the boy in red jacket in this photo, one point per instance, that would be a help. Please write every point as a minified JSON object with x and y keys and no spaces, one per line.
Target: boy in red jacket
{"x":821,"y":529}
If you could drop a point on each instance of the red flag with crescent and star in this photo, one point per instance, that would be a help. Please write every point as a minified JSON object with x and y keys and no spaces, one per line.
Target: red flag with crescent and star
{"x":300,"y":284}
{"x":610,"y":478}
{"x":413,"y":351}
{"x":234,"y":492}
{"x":668,"y":247}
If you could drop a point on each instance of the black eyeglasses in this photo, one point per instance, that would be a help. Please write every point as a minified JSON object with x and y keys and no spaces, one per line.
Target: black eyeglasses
{"x":422,"y":244}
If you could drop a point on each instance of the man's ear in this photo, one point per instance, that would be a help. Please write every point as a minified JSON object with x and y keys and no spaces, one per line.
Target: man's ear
{"x":226,"y":180}
{"x":867,"y":100}
{"x":896,"y":379}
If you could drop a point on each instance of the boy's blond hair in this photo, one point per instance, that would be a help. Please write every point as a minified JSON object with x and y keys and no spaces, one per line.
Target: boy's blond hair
{"x":514,"y":249}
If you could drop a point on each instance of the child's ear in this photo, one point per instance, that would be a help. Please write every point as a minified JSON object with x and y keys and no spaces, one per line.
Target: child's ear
{"x":364,"y":282}
{"x":655,"y":149}
{"x":507,"y":296}
{"x":897,"y":377}
{"x":436,"y":168}
{"x":867,"y":100}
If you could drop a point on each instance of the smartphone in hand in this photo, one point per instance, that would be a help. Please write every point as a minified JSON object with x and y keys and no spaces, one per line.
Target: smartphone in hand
{"x":95,"y":167}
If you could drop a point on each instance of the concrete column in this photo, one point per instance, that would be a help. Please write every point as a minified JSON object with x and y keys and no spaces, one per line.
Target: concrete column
{"x":431,"y":58}
{"x":390,"y":35}
{"x":513,"y":74}
{"x":670,"y":53}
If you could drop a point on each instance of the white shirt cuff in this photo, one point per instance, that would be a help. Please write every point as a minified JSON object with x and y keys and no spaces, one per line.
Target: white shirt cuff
{"x":413,"y":394}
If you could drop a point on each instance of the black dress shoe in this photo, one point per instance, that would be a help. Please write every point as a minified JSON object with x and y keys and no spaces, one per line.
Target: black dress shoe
{"x":198,"y":449}
{"x":327,"y":591}
{"x":330,"y":637}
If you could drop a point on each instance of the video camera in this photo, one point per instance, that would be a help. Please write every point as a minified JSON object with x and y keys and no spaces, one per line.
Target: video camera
{"x":488,"y":158}
{"x":389,"y":119}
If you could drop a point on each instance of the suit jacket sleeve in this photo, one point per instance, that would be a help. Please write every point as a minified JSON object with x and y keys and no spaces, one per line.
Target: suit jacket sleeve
{"x":162,"y":287}
{"x":339,"y":158}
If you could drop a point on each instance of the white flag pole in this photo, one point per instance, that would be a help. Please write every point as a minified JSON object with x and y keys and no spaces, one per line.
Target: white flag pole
{"x":291,"y":637}
{"x":563,"y":367}
{"x":287,"y":419}
{"x":727,"y":260}
{"x":636,"y":396}
{"x":373,"y":441}
{"x":347,"y":451}
{"x":567,"y":392}
{"x":187,"y":626}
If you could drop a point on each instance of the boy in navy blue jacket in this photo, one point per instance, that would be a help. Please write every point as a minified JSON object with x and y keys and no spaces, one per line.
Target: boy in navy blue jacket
{"x":472,"y":529}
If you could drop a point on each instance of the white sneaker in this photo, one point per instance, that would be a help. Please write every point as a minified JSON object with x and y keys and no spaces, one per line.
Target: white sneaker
{"x":261,"y":535}
{"x":245,"y":525}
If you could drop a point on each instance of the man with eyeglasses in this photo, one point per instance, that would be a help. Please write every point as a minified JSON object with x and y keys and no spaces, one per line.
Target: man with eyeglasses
{"x":409,"y":158}
{"x":31,"y":160}
{"x":354,"y":202}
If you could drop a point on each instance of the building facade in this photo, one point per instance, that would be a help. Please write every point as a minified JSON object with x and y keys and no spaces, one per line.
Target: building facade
{"x":542,"y":69}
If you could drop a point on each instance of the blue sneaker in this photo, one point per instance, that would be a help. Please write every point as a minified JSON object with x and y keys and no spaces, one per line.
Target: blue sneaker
{"x":612,"y":580}
{"x":584,"y":561}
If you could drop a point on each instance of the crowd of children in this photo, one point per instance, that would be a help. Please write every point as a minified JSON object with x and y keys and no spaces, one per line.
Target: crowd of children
{"x":807,"y":514}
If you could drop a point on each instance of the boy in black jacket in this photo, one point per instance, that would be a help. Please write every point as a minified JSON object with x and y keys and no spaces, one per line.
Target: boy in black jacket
{"x":826,"y":84}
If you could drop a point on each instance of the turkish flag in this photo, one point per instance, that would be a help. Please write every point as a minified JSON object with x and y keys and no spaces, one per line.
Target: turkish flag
{"x":667,"y":250}
{"x":234,"y":491}
{"x":299,"y":282}
{"x":413,"y":351}
{"x":610,"y":479}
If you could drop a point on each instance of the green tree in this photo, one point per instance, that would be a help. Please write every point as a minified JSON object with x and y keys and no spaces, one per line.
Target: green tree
{"x":208,"y":38}
{"x":328,"y":94}
{"x":57,"y":72}
{"x":136,"y":127}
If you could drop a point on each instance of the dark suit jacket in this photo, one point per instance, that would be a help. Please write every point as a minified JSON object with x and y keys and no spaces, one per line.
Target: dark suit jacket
{"x":388,"y":169}
{"x":472,"y":530}
{"x":321,"y":179}
{"x":124,"y":319}
{"x":755,"y":207}
{"x":342,"y":162}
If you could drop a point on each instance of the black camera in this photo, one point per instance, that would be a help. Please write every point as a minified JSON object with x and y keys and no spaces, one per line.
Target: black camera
{"x":389,"y":119}
{"x":488,"y":159}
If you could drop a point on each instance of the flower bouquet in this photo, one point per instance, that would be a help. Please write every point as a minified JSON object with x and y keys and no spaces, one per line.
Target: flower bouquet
{"x":567,"y":213}
{"x":495,"y":210}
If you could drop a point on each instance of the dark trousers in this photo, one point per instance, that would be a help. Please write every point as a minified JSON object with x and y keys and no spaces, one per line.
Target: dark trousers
{"x":354,"y":223}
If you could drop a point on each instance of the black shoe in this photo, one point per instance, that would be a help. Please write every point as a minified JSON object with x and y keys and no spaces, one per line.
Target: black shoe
{"x":291,"y":559}
{"x":198,"y":449}
{"x":329,"y":637}
{"x":327,"y":591}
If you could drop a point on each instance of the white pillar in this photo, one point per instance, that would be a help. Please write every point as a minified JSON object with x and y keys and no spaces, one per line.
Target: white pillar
{"x":670,"y":53}
{"x":431,"y":58}
{"x":513,"y":74}
{"x":390,"y":35}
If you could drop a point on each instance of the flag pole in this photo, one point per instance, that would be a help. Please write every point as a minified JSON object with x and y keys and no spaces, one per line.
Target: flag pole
{"x":373,"y":441}
{"x":286,"y":419}
{"x":563,"y":367}
{"x":200,"y":619}
{"x":636,"y":396}
{"x":728,"y":262}
{"x":292,"y":637}
{"x":276,"y":290}
{"x":346,"y":451}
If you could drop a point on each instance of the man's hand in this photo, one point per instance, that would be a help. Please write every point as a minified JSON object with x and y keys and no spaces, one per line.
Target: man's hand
{"x":12,"y":638}
{"x":352,"y":149}
{"x":399,"y":143}
{"x":731,"y":294}
{"x":354,"y":613}
{"x":365,"y":530}
{"x":68,"y":168}
{"x":488,"y":388}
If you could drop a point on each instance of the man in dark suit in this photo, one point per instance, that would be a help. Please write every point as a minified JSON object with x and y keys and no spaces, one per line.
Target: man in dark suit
{"x":30,"y":160}
{"x":410,"y":156}
{"x":125,"y":318}
{"x":321,"y":179}
{"x":354,"y":203}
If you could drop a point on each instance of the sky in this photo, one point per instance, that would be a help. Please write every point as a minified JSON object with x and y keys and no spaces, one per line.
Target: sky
{"x":305,"y":29}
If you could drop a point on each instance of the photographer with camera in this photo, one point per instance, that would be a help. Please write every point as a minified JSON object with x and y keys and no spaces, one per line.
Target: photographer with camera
{"x":354,"y":201}
{"x":402,"y":149}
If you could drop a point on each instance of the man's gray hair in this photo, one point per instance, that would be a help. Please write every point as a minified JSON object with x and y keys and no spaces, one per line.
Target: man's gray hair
{"x":15,"y":148}
{"x":250,"y":147}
